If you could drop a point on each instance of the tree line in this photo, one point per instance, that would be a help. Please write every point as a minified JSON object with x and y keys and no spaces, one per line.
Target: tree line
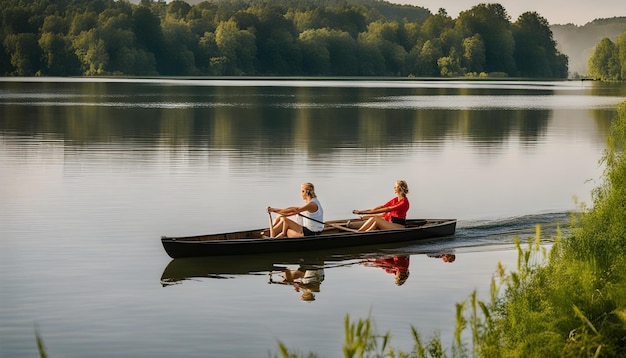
{"x":608,"y":60}
{"x":271,"y":37}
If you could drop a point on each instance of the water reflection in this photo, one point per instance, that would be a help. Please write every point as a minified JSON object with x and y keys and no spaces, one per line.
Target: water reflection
{"x":319,"y":130}
{"x":306,"y":280}
{"x":180,"y":270}
{"x":447,"y":257}
{"x":266,"y":120}
{"x":398,"y":266}
{"x":282,"y":264}
{"x":304,"y":272}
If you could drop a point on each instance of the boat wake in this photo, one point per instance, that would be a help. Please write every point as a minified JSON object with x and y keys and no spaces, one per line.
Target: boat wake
{"x":496,"y":234}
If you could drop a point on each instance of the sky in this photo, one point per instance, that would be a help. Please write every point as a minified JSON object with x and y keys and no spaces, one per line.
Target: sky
{"x":578,"y":12}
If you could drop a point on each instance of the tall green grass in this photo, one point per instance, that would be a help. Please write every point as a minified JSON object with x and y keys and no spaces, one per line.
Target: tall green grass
{"x":41,"y":348}
{"x":568,"y":301}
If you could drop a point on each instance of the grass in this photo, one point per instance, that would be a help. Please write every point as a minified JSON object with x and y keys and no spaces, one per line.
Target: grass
{"x":569,"y":301}
{"x":41,"y":348}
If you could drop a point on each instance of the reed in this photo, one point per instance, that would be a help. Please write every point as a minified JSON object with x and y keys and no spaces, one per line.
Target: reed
{"x":41,"y":348}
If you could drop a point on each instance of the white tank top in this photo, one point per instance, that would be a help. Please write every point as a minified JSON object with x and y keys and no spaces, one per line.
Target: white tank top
{"x":318,"y":215}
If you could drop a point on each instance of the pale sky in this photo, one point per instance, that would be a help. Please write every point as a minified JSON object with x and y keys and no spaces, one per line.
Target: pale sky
{"x":578,"y":12}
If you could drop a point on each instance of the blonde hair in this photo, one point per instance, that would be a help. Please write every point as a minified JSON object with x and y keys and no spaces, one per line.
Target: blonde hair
{"x":403,"y":186}
{"x":310,"y":190}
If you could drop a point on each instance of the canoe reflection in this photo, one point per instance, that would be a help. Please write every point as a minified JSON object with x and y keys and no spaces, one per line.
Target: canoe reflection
{"x":225,"y":267}
{"x":306,"y":278}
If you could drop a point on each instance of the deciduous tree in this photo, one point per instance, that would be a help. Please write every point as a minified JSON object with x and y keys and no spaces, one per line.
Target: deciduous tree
{"x":491,"y":22}
{"x":604,"y":61}
{"x":535,"y":49}
{"x":238,"y":47}
{"x":25,"y":53}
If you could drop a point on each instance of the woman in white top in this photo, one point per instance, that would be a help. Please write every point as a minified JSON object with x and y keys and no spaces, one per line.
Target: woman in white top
{"x":310,"y":221}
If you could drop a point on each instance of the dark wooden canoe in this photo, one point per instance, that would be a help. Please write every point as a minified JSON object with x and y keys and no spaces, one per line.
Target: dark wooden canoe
{"x":336,"y":234}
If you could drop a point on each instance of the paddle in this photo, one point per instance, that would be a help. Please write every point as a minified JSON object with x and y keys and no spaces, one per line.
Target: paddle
{"x":271,"y":224}
{"x":333,"y":225}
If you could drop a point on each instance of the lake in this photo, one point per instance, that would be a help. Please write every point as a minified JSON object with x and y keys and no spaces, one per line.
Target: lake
{"x":93,"y":171}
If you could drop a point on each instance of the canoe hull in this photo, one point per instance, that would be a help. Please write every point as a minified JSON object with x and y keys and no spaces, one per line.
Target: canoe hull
{"x":249,"y":242}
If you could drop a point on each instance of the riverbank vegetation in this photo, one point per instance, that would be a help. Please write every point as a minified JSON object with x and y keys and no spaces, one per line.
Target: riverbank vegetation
{"x":569,"y":301}
{"x":271,"y":37}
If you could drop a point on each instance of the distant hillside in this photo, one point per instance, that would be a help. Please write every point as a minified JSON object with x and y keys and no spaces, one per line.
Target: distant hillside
{"x":577,"y":42}
{"x":395,"y":12}
{"x":391,"y":12}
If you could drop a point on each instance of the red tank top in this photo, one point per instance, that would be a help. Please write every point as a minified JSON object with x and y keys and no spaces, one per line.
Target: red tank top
{"x":400,"y":208}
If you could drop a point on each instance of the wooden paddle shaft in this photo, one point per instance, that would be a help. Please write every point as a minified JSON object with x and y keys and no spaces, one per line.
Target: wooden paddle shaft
{"x":271,"y":228}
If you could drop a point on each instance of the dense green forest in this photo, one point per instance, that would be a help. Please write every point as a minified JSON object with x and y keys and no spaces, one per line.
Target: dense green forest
{"x":608,"y":59}
{"x":271,"y":38}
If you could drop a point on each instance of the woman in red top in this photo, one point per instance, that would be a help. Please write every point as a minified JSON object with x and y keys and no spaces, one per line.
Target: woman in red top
{"x":393,"y":212}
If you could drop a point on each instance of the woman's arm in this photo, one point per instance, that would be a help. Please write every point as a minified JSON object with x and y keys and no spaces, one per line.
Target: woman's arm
{"x":377,"y":210}
{"x":293,"y":210}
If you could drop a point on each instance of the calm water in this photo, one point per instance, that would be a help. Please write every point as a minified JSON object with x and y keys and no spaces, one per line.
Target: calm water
{"x":94,"y":171}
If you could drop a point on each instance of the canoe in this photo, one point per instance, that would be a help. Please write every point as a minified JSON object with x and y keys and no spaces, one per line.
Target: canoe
{"x":336,"y":234}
